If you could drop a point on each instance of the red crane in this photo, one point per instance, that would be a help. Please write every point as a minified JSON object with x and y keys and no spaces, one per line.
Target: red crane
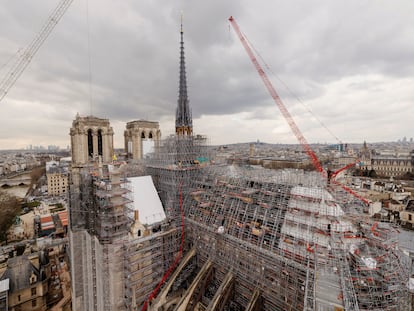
{"x":277,"y":99}
{"x":334,"y":174}
{"x":295,"y":129}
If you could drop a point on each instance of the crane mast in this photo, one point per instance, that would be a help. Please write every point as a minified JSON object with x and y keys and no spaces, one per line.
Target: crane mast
{"x":295,"y":129}
{"x":23,"y":61}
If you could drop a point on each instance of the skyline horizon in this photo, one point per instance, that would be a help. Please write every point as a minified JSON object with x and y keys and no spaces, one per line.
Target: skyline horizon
{"x":338,"y":81}
{"x":37,"y":147}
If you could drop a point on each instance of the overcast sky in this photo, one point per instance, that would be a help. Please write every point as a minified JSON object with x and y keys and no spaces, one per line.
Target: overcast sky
{"x":350,"y":62}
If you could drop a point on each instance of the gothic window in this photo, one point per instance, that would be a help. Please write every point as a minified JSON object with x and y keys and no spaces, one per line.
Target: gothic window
{"x":150,"y":135}
{"x":100,"y":142}
{"x":143,"y":135}
{"x":90,"y":143}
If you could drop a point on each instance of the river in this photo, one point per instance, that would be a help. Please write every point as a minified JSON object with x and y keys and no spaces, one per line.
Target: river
{"x":18,"y":191}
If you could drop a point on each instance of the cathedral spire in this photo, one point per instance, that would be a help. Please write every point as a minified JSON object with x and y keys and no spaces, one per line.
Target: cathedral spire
{"x":183,"y":118}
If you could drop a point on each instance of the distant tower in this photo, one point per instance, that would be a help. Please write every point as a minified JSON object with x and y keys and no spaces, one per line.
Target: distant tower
{"x":136,"y":132}
{"x":183,"y":118}
{"x":252,"y":149}
{"x":91,"y":138}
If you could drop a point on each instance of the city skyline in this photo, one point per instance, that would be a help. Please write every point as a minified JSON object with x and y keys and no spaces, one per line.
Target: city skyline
{"x":348,"y":63}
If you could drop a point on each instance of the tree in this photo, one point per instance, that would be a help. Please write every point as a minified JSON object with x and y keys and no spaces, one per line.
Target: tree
{"x":372,"y":173}
{"x":36,"y":173}
{"x":9,"y":209}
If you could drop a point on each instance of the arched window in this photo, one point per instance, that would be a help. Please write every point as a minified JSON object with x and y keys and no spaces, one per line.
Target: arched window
{"x":90,"y":143}
{"x":150,"y":135}
{"x":143,"y":135}
{"x":100,"y":142}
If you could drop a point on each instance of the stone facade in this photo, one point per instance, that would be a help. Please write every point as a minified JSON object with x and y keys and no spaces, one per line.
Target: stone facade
{"x":91,"y":139}
{"x":136,"y":132}
{"x":388,"y":164}
{"x":392,"y":166}
{"x":57,"y":183}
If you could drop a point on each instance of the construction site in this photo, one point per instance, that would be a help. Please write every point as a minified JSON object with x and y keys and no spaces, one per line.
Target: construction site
{"x":233,"y":238}
{"x":180,"y":231}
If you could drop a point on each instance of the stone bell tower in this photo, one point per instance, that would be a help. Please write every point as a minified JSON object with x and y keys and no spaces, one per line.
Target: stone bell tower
{"x":91,"y":140}
{"x":136,"y":132}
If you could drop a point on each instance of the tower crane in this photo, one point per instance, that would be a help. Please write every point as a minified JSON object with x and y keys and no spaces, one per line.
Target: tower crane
{"x":26,"y":56}
{"x":295,"y":129}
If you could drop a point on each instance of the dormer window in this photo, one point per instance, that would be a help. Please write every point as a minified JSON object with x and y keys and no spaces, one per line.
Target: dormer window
{"x":33,"y":279}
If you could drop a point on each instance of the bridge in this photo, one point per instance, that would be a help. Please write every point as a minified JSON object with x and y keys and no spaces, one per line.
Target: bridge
{"x":17,"y":179}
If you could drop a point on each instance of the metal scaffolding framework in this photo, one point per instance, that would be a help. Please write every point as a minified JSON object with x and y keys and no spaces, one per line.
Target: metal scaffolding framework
{"x":235,"y":238}
{"x":287,"y":236}
{"x":99,"y":209}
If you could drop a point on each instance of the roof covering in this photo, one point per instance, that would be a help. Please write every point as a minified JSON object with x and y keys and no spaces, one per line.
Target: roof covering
{"x":146,"y":200}
{"x":63,"y":215}
{"x":46,"y":222}
{"x":19,"y":269}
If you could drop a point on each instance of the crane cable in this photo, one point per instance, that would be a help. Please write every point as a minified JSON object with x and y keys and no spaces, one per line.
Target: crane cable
{"x":248,"y":47}
{"x":308,"y":109}
{"x":8,"y":61}
{"x":89,"y":55}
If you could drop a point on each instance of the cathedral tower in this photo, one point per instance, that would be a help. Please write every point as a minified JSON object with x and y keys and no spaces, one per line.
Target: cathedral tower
{"x":138,"y":131}
{"x":91,"y":138}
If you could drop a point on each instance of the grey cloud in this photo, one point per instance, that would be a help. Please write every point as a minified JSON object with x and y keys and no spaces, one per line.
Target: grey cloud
{"x":134,"y":52}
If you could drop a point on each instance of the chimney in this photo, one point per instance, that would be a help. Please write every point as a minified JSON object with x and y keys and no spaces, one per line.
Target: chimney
{"x":136,"y":215}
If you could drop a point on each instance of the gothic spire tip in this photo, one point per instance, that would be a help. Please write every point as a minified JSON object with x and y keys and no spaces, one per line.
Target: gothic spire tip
{"x":181,"y":22}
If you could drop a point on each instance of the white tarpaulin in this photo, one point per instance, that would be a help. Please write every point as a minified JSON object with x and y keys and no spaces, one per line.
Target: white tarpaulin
{"x":371,"y":263}
{"x":411,"y":285}
{"x":146,"y":200}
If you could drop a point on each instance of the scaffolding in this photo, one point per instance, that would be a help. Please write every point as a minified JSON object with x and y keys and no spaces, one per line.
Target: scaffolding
{"x":99,"y":209}
{"x":234,"y":238}
{"x":145,"y":260}
{"x":284,"y":235}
